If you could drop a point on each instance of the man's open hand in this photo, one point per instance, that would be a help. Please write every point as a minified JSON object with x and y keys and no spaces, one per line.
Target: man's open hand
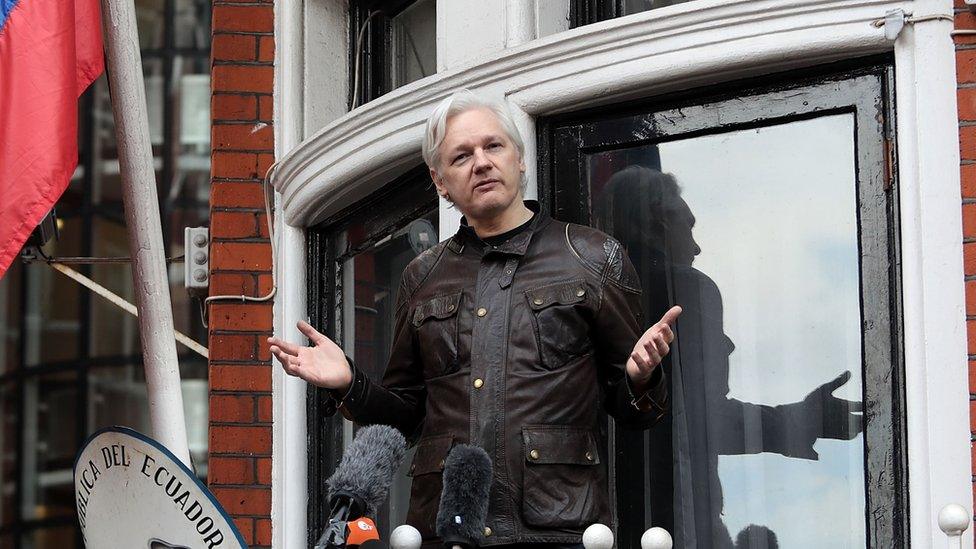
{"x":652,"y":347}
{"x":323,"y":365}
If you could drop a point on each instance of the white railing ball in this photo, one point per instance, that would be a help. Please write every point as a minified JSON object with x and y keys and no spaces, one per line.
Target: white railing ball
{"x":954,"y":519}
{"x":656,"y":538}
{"x":598,"y":536}
{"x":405,"y":537}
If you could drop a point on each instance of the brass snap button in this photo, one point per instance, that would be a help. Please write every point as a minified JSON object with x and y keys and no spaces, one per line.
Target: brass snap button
{"x":589,"y":456}
{"x":534,"y":454}
{"x":450,"y":307}
{"x":537,"y":301}
{"x":580,"y":292}
{"x":487,"y":531}
{"x":479,"y":383}
{"x":441,"y":464}
{"x":482,"y":311}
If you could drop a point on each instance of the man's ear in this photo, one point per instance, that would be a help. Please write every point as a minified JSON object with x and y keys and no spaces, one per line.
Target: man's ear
{"x":438,"y":183}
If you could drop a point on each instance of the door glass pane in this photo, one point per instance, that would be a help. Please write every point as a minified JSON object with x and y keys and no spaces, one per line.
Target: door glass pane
{"x":754,"y":233}
{"x":369,"y":284}
{"x":8,"y":454}
{"x":628,"y":7}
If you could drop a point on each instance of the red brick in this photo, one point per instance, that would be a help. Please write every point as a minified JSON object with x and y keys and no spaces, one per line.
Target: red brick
{"x":972,"y":376}
{"x":232,"y":284}
{"x":264,"y":350}
{"x":266,"y":48}
{"x":969,"y":258}
{"x":263,"y":469}
{"x":262,"y":531}
{"x":263,"y":226}
{"x":245,"y":525}
{"x":972,"y":416}
{"x":265,"y":108}
{"x":235,"y":165}
{"x":245,"y":501}
{"x":965,"y":66}
{"x":971,"y":297}
{"x":243,"y":19}
{"x":232,"y":347}
{"x":969,"y":220}
{"x":237,"y":195}
{"x":233,"y":225}
{"x":234,"y":377}
{"x":234,"y":439}
{"x":234,"y":47}
{"x":240,"y":256}
{"x":230,"y":470}
{"x":965,"y":21}
{"x":967,"y":142}
{"x":247,"y":137}
{"x":967,"y":173}
{"x":253,"y":317}
{"x":264,"y":163}
{"x":226,"y":106}
{"x":232,"y":408}
{"x":264,"y":409}
{"x":243,"y":78}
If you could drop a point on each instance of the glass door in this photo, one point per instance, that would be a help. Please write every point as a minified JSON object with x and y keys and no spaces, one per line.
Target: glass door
{"x":768,"y":215}
{"x":356,"y":261}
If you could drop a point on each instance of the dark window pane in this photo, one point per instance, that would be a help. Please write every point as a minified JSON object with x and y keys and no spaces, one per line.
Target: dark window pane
{"x":52,"y":302}
{"x":8,"y":453}
{"x":112,"y":330}
{"x":59,"y":537}
{"x":192,"y":24}
{"x":10,"y":317}
{"x":151,"y":22}
{"x":50,"y":409}
{"x":414,"y":43}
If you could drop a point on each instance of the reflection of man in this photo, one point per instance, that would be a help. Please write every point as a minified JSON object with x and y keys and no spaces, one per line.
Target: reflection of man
{"x":512,"y":335}
{"x":643,"y":209}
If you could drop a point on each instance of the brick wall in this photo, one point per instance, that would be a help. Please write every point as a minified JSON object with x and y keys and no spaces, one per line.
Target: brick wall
{"x":966,"y":82}
{"x":242,"y":74}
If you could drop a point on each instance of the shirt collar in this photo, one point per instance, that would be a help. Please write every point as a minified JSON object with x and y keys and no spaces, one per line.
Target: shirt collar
{"x":517,"y":245}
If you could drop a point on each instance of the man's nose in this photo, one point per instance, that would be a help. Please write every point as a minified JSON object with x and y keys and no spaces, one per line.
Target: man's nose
{"x":481,"y":162}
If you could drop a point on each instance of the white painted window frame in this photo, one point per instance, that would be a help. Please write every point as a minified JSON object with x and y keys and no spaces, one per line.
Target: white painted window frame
{"x":686,"y":45}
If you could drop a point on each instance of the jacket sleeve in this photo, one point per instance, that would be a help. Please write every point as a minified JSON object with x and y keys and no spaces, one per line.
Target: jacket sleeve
{"x":617,"y":328}
{"x":400,"y":401}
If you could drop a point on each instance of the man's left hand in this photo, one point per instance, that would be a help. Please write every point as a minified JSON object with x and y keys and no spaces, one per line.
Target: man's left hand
{"x":651,"y":348}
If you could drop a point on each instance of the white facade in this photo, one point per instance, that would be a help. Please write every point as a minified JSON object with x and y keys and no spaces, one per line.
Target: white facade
{"x":330,"y":158}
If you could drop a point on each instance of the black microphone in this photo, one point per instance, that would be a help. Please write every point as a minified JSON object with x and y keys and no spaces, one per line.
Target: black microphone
{"x":362,"y":481}
{"x":464,"y":499}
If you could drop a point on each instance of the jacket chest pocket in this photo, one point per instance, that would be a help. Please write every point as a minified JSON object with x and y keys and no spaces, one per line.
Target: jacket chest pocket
{"x":563,"y":485}
{"x":559,"y":321}
{"x":435,"y":322}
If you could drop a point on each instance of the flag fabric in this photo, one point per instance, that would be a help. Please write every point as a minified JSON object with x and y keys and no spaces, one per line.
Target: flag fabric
{"x":50,"y":52}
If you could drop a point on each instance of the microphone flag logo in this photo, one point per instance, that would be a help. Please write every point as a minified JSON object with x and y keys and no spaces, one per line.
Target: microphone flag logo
{"x":360,"y":531}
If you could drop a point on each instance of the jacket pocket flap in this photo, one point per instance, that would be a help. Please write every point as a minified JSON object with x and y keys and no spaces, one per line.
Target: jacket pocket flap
{"x":559,"y":444}
{"x":430,"y":455}
{"x":562,"y":293}
{"x":439,"y":307}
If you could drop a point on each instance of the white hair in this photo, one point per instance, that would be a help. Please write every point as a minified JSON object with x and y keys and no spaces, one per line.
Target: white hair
{"x":461,"y":101}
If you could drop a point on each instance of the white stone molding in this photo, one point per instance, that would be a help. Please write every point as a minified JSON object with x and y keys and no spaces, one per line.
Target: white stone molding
{"x":694,"y":44}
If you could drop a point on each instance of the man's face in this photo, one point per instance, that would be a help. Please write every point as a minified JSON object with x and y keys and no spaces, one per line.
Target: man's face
{"x":480,"y":168}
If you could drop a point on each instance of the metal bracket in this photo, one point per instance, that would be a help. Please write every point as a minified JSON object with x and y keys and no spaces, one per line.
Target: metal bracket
{"x":894,"y":21}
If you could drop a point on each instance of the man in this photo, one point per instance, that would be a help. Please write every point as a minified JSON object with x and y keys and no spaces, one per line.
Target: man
{"x":511,"y":336}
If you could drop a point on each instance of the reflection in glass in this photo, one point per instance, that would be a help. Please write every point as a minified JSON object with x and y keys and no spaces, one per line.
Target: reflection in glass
{"x":52,"y":303}
{"x":754,"y":234}
{"x":49,"y":414}
{"x":370,"y":280}
{"x":10,"y":320}
{"x":414,"y":42}
{"x":61,"y":537}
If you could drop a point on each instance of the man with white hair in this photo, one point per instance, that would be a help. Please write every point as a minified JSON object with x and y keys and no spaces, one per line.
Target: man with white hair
{"x":512,"y":335}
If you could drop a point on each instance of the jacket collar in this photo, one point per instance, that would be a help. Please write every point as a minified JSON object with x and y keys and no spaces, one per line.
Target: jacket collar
{"x":517,"y":245}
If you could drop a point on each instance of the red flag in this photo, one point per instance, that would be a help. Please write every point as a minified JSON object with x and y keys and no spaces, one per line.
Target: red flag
{"x":50,"y":51}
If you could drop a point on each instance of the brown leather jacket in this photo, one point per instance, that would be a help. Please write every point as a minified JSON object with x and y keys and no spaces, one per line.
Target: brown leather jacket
{"x":515,"y":348}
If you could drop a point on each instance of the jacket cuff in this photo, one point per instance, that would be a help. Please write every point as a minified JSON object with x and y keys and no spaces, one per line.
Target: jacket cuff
{"x":655,"y":398}
{"x":340,"y":399}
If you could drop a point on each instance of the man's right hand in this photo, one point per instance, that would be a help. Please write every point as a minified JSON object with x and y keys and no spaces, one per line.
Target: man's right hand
{"x":324,"y":365}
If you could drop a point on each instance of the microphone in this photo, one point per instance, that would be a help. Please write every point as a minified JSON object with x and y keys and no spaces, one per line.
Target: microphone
{"x":362,"y":481}
{"x":464,"y":498}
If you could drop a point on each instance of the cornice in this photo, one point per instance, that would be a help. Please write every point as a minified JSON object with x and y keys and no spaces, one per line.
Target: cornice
{"x":661,"y":50}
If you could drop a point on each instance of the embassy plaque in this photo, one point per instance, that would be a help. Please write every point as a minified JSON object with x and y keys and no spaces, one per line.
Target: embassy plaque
{"x":130,"y":491}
